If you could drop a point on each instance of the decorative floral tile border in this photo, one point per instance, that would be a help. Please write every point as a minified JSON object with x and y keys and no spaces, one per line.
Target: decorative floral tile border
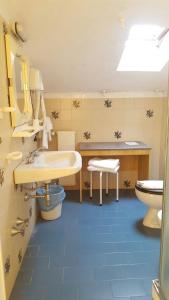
{"x":127,"y":183}
{"x":150,"y":113}
{"x":87,"y":184}
{"x":118,"y":134}
{"x":76,"y":103}
{"x":55,"y":115}
{"x":20,"y":256}
{"x":1,"y":176}
{"x":108,"y":103}
{"x":87,"y":135}
{"x":30,"y":212}
{"x":7,"y":265}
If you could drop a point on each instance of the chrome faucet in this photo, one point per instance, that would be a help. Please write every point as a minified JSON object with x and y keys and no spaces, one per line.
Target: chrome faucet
{"x":16,"y":231}
{"x":35,"y":153}
{"x":20,"y":222}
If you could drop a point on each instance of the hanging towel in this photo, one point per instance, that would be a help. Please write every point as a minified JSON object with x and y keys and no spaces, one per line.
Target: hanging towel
{"x":45,"y":139}
{"x":47,"y":125}
{"x":43,"y":107}
{"x":45,"y":133}
{"x":49,"y":128}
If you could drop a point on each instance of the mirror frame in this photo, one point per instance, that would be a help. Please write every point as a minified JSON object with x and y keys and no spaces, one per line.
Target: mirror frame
{"x":13,"y":50}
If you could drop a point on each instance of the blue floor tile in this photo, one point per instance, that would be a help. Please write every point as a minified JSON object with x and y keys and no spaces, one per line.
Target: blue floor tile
{"x":62,"y":291}
{"x":109,"y":273}
{"x":119,"y":258}
{"x":63,"y":261}
{"x":95,"y":290}
{"x":51,"y":250}
{"x":140,"y":271}
{"x":128,"y":288}
{"x":151,"y":257}
{"x":34,"y":263}
{"x":93,"y":260}
{"x":78,"y":274}
{"x":25,"y":277}
{"x":142,"y":298}
{"x":27,"y":293}
{"x":47,"y":278}
{"x":91,"y":253}
{"x":32,"y":251}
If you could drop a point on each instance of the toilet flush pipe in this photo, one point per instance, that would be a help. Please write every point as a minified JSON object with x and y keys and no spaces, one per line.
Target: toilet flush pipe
{"x":2,"y":281}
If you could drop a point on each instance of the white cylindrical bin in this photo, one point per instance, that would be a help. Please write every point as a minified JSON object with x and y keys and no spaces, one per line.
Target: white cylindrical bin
{"x":53,"y":214}
{"x":51,"y":206}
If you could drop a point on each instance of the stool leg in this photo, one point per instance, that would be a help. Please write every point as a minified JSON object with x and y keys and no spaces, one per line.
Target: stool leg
{"x":117,"y":186}
{"x":91,"y":185}
{"x":107,"y":183}
{"x":100,"y":188}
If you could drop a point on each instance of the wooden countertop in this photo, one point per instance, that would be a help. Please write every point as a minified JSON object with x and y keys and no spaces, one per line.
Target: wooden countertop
{"x":112,"y":146}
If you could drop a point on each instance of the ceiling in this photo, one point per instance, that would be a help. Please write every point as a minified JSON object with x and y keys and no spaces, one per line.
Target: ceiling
{"x":77,"y":44}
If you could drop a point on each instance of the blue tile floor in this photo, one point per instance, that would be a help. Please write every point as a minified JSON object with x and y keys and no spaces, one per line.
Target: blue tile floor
{"x":91,"y":253}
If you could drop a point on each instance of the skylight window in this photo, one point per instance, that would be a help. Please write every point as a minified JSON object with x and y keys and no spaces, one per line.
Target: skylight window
{"x":147,"y":49}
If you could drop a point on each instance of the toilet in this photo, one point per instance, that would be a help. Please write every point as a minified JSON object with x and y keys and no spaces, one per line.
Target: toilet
{"x":150,"y":192}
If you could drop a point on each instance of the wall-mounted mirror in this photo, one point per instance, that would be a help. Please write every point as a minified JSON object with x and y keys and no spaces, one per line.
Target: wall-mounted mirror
{"x":18,"y":83}
{"x":18,"y":75}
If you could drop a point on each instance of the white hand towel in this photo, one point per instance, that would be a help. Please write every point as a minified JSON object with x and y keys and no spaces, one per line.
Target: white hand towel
{"x":43,"y":107}
{"x":49,"y":127}
{"x":45,"y":139}
{"x":45,"y":133}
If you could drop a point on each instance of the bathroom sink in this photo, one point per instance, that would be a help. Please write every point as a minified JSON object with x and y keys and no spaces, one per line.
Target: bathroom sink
{"x":48,"y":165}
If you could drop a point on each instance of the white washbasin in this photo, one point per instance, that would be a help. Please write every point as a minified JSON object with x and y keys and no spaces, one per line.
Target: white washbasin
{"x":48,"y":165}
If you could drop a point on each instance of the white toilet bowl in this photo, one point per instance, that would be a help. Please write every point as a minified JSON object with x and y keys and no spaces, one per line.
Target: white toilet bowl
{"x":151,"y":193}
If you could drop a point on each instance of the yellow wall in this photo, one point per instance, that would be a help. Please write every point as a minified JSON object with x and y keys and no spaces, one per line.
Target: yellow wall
{"x":12,"y":203}
{"x":4,"y":9}
{"x":125,"y":115}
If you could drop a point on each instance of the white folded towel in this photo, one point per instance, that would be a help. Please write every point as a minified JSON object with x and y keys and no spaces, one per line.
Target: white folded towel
{"x":93,"y":169}
{"x":108,"y":165}
{"x":151,"y":184}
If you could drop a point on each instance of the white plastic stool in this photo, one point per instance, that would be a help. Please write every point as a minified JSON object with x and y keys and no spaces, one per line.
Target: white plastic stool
{"x":111,"y":166}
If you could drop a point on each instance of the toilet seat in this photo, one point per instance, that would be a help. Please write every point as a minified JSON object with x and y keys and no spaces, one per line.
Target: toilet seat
{"x":154,"y":187}
{"x":150,"y":192}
